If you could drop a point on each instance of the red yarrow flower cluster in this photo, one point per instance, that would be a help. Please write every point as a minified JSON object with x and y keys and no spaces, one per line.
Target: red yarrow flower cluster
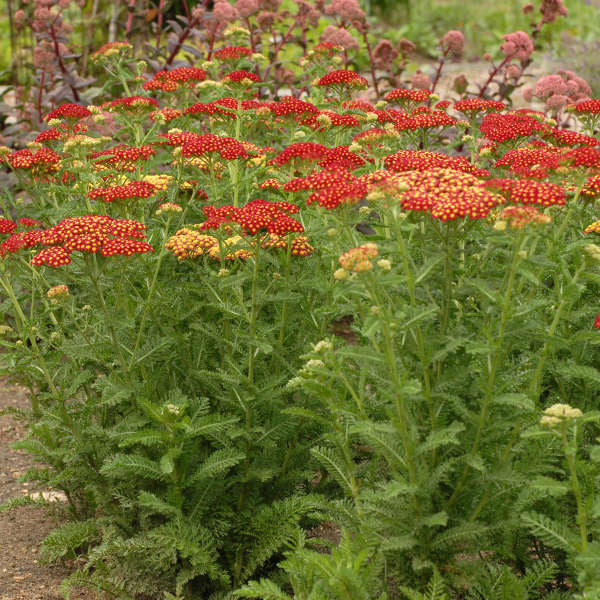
{"x":71,"y":112}
{"x":308,"y":152}
{"x":472,"y":106}
{"x":500,"y":128}
{"x":132,"y":191}
{"x":408,"y":99}
{"x":122,"y":157}
{"x":227,"y":148}
{"x":169,"y":81}
{"x":255,"y":216}
{"x":529,"y":191}
{"x":424,"y":119}
{"x":132,"y":104}
{"x":90,"y":233}
{"x":343,"y":78}
{"x":422,"y":160}
{"x":241,"y":77}
{"x":43,"y":162}
{"x":232,"y":53}
{"x":447,"y":194}
{"x":7,"y":226}
{"x":290,"y":106}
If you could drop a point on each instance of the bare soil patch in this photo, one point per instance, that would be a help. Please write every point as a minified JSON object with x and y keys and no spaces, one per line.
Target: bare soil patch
{"x":22,"y":577}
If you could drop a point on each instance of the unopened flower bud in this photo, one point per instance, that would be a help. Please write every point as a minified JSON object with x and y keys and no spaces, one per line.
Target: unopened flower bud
{"x":340,"y":274}
{"x":500,"y":225}
{"x":384,"y":264}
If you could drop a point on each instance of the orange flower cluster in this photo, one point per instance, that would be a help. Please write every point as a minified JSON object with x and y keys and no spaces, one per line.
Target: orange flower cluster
{"x":358,"y":259}
{"x":520,"y":216}
{"x":593,"y":228}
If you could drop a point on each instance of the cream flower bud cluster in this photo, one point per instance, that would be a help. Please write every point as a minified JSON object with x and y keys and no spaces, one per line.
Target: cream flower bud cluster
{"x":556,"y":413}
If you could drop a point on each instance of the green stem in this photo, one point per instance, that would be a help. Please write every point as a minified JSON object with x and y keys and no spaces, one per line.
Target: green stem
{"x":535,"y":386}
{"x":493,"y":364}
{"x":253,"y":313}
{"x":149,"y":297}
{"x":23,"y":325}
{"x":581,"y":511}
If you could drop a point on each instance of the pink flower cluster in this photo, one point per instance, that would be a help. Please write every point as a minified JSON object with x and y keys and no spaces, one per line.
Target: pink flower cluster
{"x":517,"y":45}
{"x":560,"y":89}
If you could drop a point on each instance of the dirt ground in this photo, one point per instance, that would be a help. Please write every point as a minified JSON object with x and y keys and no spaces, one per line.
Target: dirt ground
{"x":22,"y":530}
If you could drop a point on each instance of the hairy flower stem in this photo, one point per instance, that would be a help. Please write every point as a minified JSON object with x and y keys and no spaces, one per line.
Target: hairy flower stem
{"x":536,"y":383}
{"x":94,"y":275}
{"x":448,"y":272}
{"x":253,"y":314}
{"x":570,"y":452}
{"x":493,"y":364}
{"x":149,"y":297}
{"x":24,"y":329}
{"x":284,"y":307}
{"x":418,"y":334}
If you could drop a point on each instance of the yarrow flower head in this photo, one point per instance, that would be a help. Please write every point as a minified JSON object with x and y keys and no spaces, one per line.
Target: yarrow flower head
{"x":111,"y":49}
{"x":559,"y":413}
{"x":408,"y":99}
{"x":520,"y":216}
{"x":7,"y":226}
{"x":71,"y":112}
{"x":232,"y":53}
{"x":447,"y":194}
{"x":357,"y":260}
{"x":168,"y":208}
{"x":57,"y":293}
{"x":529,"y":191}
{"x":134,"y":105}
{"x":342,"y":81}
{"x":169,"y":81}
{"x":90,"y":234}
{"x":134,"y":190}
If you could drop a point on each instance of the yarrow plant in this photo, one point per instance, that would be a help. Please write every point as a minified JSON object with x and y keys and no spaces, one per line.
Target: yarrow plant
{"x":329,"y":342}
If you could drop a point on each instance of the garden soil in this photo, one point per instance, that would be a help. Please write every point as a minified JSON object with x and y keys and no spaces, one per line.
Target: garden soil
{"x":22,"y":577}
